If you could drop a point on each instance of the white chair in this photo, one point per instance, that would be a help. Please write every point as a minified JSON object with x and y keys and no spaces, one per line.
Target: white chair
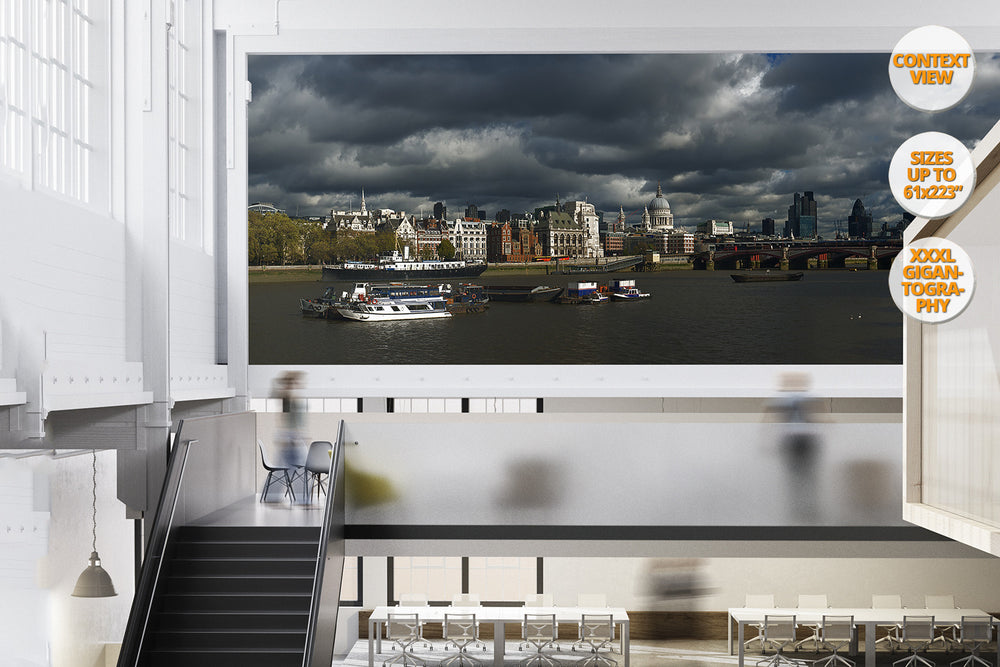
{"x":404,"y":630}
{"x":975,"y":632}
{"x":836,"y":632}
{"x":917,"y":635}
{"x":468,"y":600}
{"x":947,"y":634}
{"x":596,"y":632}
{"x":591,"y":600}
{"x":891,"y":636}
{"x":538,"y":600}
{"x":461,"y":631}
{"x":413,"y":600}
{"x":540,"y":631}
{"x":318,"y":465}
{"x":812,"y":602}
{"x":779,"y":630}
{"x":758,"y":601}
{"x":465,"y":600}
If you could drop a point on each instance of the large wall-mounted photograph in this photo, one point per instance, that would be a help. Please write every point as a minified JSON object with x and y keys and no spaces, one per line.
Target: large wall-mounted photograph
{"x":580,"y":209}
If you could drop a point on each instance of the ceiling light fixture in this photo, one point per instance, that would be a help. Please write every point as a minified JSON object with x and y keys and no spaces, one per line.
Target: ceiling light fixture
{"x":94,"y":582}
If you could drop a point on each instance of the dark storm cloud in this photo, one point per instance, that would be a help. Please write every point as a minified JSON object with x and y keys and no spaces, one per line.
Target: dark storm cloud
{"x":811,"y":80}
{"x":729,"y":136}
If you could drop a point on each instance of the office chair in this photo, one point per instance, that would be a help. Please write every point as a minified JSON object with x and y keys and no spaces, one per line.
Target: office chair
{"x":780,"y":631}
{"x":948,"y":634}
{"x":591,"y":600}
{"x":468,"y":600}
{"x":812,"y":602}
{"x":460,"y":631}
{"x":762,"y":601}
{"x":918,"y":634}
{"x":413,"y":600}
{"x":836,"y":632}
{"x":596,"y":631}
{"x":318,"y":465}
{"x":275,"y":475}
{"x":540,"y":631}
{"x":538,"y":600}
{"x":404,"y":630}
{"x":891,"y":636}
{"x":976,"y":631}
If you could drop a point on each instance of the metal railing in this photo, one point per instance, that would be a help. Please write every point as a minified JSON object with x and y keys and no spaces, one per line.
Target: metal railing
{"x":221,"y":443}
{"x":325,"y":604}
{"x":138,"y":619}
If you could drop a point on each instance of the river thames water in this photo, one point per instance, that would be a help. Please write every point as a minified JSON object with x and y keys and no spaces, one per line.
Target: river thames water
{"x":693,"y":317}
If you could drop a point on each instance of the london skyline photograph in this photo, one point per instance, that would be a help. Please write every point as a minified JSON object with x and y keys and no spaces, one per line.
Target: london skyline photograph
{"x":728,"y":136}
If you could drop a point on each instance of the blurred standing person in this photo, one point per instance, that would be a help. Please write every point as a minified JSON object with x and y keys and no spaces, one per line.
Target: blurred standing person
{"x":291,"y":438}
{"x":794,"y":409}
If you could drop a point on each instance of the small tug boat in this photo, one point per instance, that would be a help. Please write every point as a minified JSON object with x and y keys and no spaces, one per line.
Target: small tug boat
{"x":582,"y":293}
{"x":625,"y":290}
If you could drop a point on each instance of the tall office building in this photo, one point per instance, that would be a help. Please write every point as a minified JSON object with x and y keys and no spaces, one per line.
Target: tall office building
{"x":767,"y":226}
{"x":859,"y":222}
{"x":802,"y":217}
{"x":473,"y":212}
{"x":440,"y":211}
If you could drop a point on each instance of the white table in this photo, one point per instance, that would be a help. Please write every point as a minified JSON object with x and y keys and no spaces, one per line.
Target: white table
{"x":867,"y":617}
{"x":498,"y":616}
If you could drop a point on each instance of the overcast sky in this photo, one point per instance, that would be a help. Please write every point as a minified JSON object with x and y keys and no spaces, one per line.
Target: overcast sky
{"x":730,"y":136}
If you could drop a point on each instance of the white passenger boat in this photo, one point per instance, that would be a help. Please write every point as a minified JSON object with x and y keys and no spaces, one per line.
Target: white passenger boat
{"x":373,"y":307}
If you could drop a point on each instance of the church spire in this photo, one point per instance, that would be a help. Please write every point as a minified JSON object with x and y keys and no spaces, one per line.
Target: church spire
{"x":363,"y":209}
{"x":659,"y":189}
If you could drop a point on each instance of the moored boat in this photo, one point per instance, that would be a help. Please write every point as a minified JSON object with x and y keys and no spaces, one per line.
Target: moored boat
{"x":320,"y":306}
{"x":582,"y":293}
{"x":625,"y":290}
{"x":394,"y":266}
{"x":766,"y":277}
{"x":389,"y":310}
{"x":522,"y":293}
{"x":467,"y":299}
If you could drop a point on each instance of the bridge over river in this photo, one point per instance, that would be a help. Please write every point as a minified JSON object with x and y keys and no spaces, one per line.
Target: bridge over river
{"x":785,"y":255}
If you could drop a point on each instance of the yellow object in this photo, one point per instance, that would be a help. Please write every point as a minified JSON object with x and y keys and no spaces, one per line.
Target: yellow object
{"x":364,"y":488}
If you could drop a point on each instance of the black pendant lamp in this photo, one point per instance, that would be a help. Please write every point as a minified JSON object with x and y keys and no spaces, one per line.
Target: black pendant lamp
{"x":94,"y":582}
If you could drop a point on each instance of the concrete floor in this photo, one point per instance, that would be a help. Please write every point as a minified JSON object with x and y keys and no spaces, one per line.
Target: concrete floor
{"x":673,"y":653}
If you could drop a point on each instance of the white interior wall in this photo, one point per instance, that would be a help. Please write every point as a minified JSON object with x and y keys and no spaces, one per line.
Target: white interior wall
{"x":848,"y":582}
{"x":51,"y":500}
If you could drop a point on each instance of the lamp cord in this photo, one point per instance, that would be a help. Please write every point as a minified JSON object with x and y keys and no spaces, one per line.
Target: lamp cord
{"x":94,"y":502}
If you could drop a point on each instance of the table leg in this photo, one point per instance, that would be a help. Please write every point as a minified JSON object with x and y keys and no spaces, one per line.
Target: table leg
{"x":739,"y":640}
{"x":378,"y":637}
{"x":625,"y":642}
{"x":498,"y":640}
{"x":729,"y":633}
{"x":371,"y":643}
{"x":870,"y":644}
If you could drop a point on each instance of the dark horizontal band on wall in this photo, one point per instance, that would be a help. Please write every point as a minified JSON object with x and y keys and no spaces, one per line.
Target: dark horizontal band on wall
{"x":673,"y":533}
